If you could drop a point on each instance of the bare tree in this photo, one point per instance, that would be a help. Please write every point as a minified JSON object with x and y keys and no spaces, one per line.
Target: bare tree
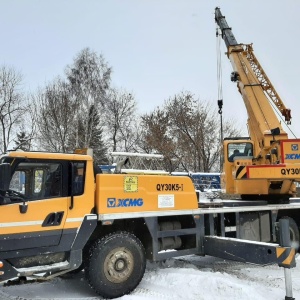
{"x":56,"y":112}
{"x":120,"y":117}
{"x":196,"y":132}
{"x":156,"y":137}
{"x":186,"y":132}
{"x":69,"y":111}
{"x":12,"y":106}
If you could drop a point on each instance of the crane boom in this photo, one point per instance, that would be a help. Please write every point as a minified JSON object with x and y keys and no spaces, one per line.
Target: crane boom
{"x":269,"y":163}
{"x":261,"y":75}
{"x":267,"y":85}
{"x":227,"y":34}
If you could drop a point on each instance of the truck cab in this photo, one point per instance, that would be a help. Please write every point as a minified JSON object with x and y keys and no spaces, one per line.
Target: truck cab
{"x":44,"y":198}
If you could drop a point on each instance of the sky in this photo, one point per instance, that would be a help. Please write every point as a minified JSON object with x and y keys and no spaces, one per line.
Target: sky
{"x":188,"y":278}
{"x":157,"y":48}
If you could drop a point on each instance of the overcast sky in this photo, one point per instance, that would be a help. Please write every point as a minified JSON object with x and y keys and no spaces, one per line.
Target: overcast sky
{"x":157,"y":48}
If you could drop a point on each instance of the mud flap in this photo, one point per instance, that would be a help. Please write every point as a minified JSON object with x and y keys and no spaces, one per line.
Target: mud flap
{"x":7,"y":271}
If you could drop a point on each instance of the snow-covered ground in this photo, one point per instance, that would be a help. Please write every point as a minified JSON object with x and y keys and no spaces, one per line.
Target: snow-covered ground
{"x":189,"y":277}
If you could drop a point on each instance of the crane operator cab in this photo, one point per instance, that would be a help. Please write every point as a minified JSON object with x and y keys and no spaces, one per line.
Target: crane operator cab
{"x":238,"y":153}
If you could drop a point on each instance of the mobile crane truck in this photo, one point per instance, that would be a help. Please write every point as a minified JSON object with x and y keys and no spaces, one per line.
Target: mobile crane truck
{"x":59,"y":214}
{"x":266,"y":165}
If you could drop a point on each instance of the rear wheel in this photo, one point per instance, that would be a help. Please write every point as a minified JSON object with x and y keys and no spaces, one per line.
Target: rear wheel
{"x":116,"y":265}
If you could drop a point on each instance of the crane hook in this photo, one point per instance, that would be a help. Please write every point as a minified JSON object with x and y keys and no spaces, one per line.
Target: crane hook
{"x":220,"y":104}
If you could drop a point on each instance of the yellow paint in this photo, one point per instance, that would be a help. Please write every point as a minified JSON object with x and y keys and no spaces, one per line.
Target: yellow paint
{"x":289,"y":259}
{"x":47,"y":155}
{"x":153,"y":193}
{"x":282,"y":171}
{"x":37,"y":212}
{"x":253,"y":186}
{"x":279,"y":251}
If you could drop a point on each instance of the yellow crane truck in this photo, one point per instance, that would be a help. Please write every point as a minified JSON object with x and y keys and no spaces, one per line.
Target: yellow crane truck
{"x":59,"y":214}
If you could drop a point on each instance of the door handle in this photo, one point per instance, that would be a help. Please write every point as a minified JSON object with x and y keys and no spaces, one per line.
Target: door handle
{"x":53,"y":219}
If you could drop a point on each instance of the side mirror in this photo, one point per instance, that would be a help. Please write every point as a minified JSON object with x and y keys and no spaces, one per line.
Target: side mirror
{"x":5,"y":172}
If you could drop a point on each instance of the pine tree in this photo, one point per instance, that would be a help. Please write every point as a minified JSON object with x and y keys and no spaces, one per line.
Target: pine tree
{"x":22,"y":142}
{"x":95,"y":130}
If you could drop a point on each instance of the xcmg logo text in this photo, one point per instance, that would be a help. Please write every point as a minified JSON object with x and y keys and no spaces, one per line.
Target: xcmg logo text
{"x":128,"y":202}
{"x":292,"y":156}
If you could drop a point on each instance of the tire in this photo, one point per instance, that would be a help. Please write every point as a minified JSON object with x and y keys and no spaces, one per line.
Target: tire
{"x":294,"y":233}
{"x":116,"y":265}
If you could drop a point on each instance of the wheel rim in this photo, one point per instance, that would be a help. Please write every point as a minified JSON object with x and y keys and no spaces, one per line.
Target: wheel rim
{"x":118,"y":265}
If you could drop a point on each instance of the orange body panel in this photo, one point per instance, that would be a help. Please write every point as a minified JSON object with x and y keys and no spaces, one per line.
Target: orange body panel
{"x":273,"y":172}
{"x":144,"y":193}
{"x":12,"y":221}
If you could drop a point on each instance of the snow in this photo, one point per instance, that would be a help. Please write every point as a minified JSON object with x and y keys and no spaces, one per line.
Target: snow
{"x":189,"y":277}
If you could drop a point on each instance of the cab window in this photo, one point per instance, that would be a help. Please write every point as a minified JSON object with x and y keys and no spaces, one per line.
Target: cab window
{"x":53,"y":181}
{"x":35,"y":180}
{"x":239,"y":149}
{"x":78,"y":178}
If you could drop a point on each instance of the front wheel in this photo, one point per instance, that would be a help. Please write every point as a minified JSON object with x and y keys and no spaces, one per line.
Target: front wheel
{"x":116,"y":264}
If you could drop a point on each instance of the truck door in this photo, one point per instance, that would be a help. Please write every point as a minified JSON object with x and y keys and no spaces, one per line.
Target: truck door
{"x":34,"y":209}
{"x":234,"y":150}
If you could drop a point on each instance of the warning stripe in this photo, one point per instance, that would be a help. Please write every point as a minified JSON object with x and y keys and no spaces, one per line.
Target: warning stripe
{"x":241,"y":172}
{"x":286,"y":257}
